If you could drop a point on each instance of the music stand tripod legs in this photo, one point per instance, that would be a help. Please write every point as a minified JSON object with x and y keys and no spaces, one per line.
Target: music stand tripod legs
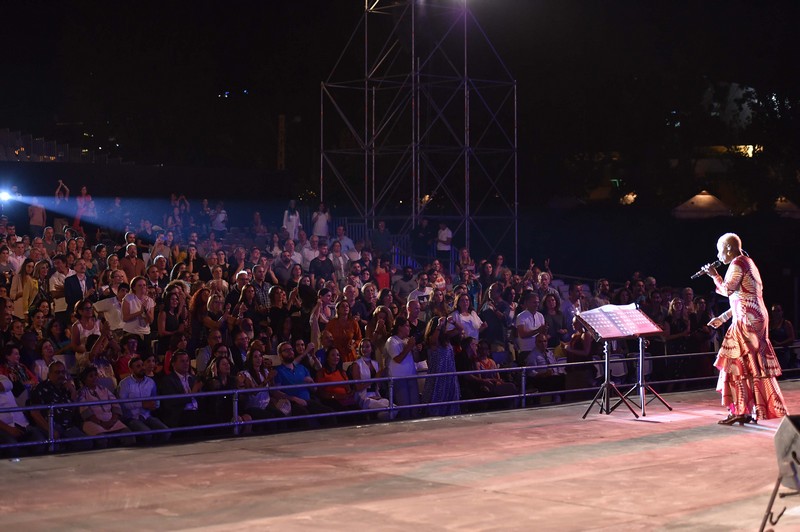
{"x":603,"y":396}
{"x":641,"y":385}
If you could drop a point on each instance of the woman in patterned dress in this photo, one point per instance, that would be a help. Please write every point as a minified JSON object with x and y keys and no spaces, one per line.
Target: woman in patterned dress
{"x":441,"y":359}
{"x":746,"y":360}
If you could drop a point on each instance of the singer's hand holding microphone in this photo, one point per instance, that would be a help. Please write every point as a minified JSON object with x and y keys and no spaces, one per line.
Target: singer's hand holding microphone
{"x":710,"y":269}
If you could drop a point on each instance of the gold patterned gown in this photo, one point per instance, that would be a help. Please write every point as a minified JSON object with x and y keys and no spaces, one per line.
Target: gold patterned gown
{"x":746,"y":360}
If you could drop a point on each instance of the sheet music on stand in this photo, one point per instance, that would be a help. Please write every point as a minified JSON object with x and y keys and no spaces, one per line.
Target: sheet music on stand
{"x":611,"y":322}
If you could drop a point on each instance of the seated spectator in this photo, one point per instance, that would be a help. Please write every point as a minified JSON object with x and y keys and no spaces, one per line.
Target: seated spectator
{"x":219,"y":408}
{"x":177,"y":342}
{"x":129,"y":349}
{"x":103,"y":353}
{"x":367,"y":395}
{"x":490,"y":384}
{"x":14,"y":335}
{"x":46,"y":351}
{"x":441,"y":359}
{"x":292,"y":373}
{"x":22,"y":378}
{"x":263,"y":403}
{"x":14,"y":426}
{"x":206,"y":353}
{"x":138,"y":416}
{"x":59,"y":389}
{"x":339,"y":396}
{"x":85,"y":325}
{"x":218,"y":351}
{"x":104,"y":418}
{"x":184,"y":411}
{"x":545,"y":377}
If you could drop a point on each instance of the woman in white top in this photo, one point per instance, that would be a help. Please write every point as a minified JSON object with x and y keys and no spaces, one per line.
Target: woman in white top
{"x":321,"y":221}
{"x":465,"y":319}
{"x":291,"y":220}
{"x":137,"y":309}
{"x":85,"y":326}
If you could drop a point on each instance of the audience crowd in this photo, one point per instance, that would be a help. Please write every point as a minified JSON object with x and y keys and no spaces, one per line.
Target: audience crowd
{"x":96,"y":308}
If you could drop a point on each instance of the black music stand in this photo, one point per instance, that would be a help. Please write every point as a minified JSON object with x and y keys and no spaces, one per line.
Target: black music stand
{"x":617,"y":322}
{"x":641,"y":385}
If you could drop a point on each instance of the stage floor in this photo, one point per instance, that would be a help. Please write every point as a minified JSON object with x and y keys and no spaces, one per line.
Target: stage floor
{"x":535,"y":469}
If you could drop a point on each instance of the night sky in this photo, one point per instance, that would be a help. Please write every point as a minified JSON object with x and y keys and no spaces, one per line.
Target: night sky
{"x":593,"y":77}
{"x":148,"y":75}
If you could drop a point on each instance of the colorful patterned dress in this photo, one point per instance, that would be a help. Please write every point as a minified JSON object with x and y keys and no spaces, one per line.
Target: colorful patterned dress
{"x":746,"y":360}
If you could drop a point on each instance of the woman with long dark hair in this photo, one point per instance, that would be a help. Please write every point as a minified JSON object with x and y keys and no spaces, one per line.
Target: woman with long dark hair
{"x":441,"y":359}
{"x":291,"y":220}
{"x":24,"y":288}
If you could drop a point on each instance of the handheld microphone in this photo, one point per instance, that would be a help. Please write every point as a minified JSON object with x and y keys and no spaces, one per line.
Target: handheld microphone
{"x":715,"y":264}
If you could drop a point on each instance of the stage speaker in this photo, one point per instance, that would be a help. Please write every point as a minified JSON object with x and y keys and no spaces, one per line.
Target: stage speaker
{"x":787,"y":451}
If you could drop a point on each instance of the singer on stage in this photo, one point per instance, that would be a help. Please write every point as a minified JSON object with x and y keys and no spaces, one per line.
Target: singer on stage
{"x":746,"y":360}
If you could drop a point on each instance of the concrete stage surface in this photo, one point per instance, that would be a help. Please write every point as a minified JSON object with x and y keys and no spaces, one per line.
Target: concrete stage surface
{"x":535,"y":469}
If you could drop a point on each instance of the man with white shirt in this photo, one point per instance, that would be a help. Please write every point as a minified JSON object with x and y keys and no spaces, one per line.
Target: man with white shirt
{"x":400,"y":350}
{"x":422,"y":293}
{"x":529,"y":323}
{"x":110,"y":309}
{"x":444,"y":240}
{"x":17,"y":256}
{"x":310,"y":252}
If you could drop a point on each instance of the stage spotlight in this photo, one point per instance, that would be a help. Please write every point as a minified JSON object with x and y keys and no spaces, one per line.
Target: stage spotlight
{"x":5,"y":196}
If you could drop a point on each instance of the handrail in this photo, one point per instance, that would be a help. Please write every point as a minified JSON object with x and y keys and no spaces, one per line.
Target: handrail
{"x":237,"y":394}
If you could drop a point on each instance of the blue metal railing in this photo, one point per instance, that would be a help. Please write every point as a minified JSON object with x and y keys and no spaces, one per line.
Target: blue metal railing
{"x":517,"y":374}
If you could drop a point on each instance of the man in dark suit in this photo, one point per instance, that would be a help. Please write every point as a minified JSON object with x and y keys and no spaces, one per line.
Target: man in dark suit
{"x":180,"y":412}
{"x":78,"y":287}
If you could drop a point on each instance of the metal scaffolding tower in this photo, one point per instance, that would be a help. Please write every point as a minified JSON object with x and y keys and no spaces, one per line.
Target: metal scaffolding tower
{"x":419,"y":119}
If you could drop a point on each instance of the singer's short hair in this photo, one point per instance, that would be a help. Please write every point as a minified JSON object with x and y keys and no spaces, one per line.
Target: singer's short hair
{"x":731,"y":239}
